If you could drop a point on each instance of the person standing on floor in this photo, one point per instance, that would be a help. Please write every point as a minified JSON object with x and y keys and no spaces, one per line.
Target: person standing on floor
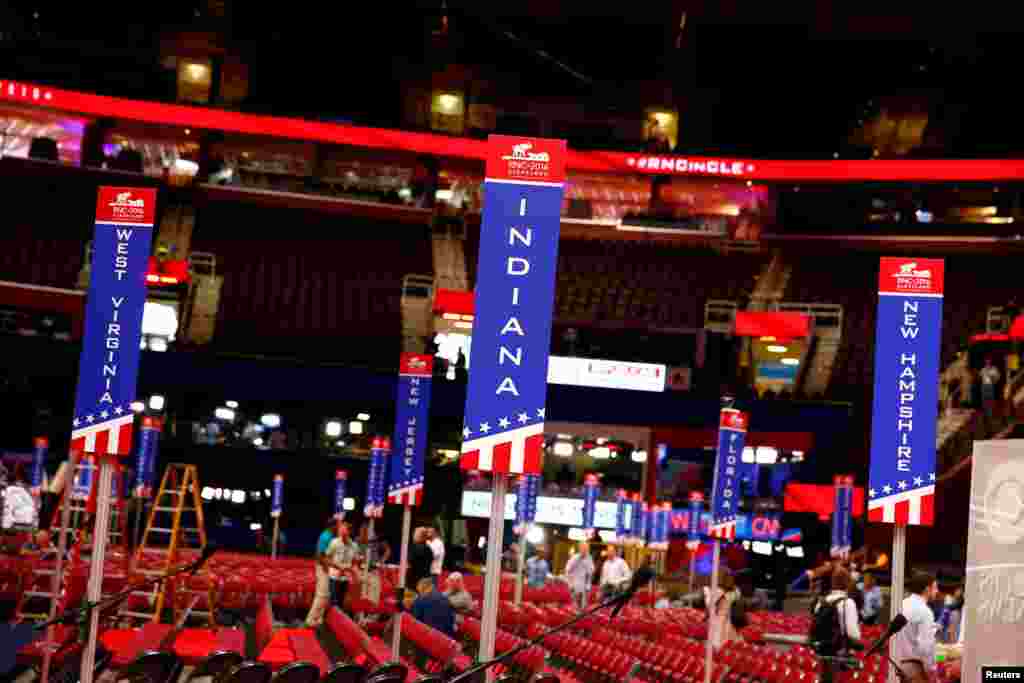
{"x":913,"y":648}
{"x":322,"y":597}
{"x":579,"y":571}
{"x":420,"y":558}
{"x":342,"y":554}
{"x":615,"y":573}
{"x":537,"y":569}
{"x":437,"y":550}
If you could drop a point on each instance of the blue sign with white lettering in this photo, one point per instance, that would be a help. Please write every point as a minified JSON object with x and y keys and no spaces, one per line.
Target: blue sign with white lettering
{"x":39,"y":450}
{"x":590,"y":491}
{"x":725,"y":499}
{"x":901,"y":481}
{"x":277,"y":496}
{"x":515,"y":292}
{"x":340,"y":486}
{"x":526,"y":501}
{"x":109,"y":362}
{"x":695,"y":509}
{"x":412,"y":423}
{"x":842,"y":517}
{"x":622,"y":513}
{"x":377,"y":478}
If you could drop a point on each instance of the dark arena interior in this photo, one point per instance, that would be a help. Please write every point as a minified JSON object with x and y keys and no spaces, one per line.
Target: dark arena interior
{"x":549,"y":341}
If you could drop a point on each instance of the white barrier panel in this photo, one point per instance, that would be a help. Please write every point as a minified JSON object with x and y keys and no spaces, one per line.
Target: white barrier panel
{"x":994,"y":600}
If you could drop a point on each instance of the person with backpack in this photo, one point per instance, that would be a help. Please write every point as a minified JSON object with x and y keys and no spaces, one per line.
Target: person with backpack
{"x":835,"y":624}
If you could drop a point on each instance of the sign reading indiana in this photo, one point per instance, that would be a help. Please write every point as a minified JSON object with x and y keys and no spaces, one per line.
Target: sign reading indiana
{"x":901,"y":481}
{"x":515,"y":291}
{"x":109,"y":363}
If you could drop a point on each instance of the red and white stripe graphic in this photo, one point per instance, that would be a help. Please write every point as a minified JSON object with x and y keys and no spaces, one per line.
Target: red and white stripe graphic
{"x":410,"y":495}
{"x":113,"y":437}
{"x":909,"y":507}
{"x":517,"y":451}
{"x":726,"y":531}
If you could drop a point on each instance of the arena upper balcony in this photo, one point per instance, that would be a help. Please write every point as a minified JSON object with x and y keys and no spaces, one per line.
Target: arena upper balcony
{"x":401,"y":175}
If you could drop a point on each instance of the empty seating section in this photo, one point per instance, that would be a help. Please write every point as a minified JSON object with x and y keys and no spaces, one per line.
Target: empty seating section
{"x":653,"y":283}
{"x":972,"y":283}
{"x":609,"y":197}
{"x":48,"y":219}
{"x":318,"y":284}
{"x":851,"y":281}
{"x":652,"y":645}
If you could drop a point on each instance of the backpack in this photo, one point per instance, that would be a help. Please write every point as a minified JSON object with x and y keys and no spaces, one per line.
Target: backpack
{"x":826,"y":635}
{"x":738,"y":614}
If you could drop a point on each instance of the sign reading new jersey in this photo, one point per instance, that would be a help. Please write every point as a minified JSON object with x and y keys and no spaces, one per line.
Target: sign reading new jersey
{"x":842,"y":517}
{"x":732,"y":433}
{"x":901,"y":481}
{"x":277,"y":496}
{"x":412,"y":420}
{"x":515,"y":291}
{"x":109,"y":362}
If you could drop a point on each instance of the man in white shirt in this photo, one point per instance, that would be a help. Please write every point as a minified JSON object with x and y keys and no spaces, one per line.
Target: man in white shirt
{"x":437,"y":548}
{"x":579,"y":571}
{"x":615,"y":573}
{"x":342,"y":554}
{"x":913,"y":648}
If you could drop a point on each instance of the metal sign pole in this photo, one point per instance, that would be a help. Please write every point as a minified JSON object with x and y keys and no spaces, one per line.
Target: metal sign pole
{"x":492,"y":581}
{"x":99,"y":551}
{"x":520,"y":566}
{"x":899,"y":558}
{"x":58,"y":568}
{"x":277,"y":531}
{"x":371,"y":553}
{"x":709,"y":650}
{"x":693,"y":569}
{"x":403,"y":568}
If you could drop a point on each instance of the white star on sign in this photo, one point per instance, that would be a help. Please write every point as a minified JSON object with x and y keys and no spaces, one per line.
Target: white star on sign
{"x":931,"y":477}
{"x":466,"y":432}
{"x":872,"y":493}
{"x":902,"y":485}
{"x":484,"y":427}
{"x":918,"y":481}
{"x":503,"y":422}
{"x":887,"y":489}
{"x":523,"y":418}
{"x":540,"y":412}
{"x":104,"y":415}
{"x":75,"y":422}
{"x":118,"y":410}
{"x":90,"y":419}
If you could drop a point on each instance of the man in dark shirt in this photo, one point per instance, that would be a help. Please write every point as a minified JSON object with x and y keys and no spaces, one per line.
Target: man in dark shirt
{"x":433,"y":609}
{"x":420,"y":558}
